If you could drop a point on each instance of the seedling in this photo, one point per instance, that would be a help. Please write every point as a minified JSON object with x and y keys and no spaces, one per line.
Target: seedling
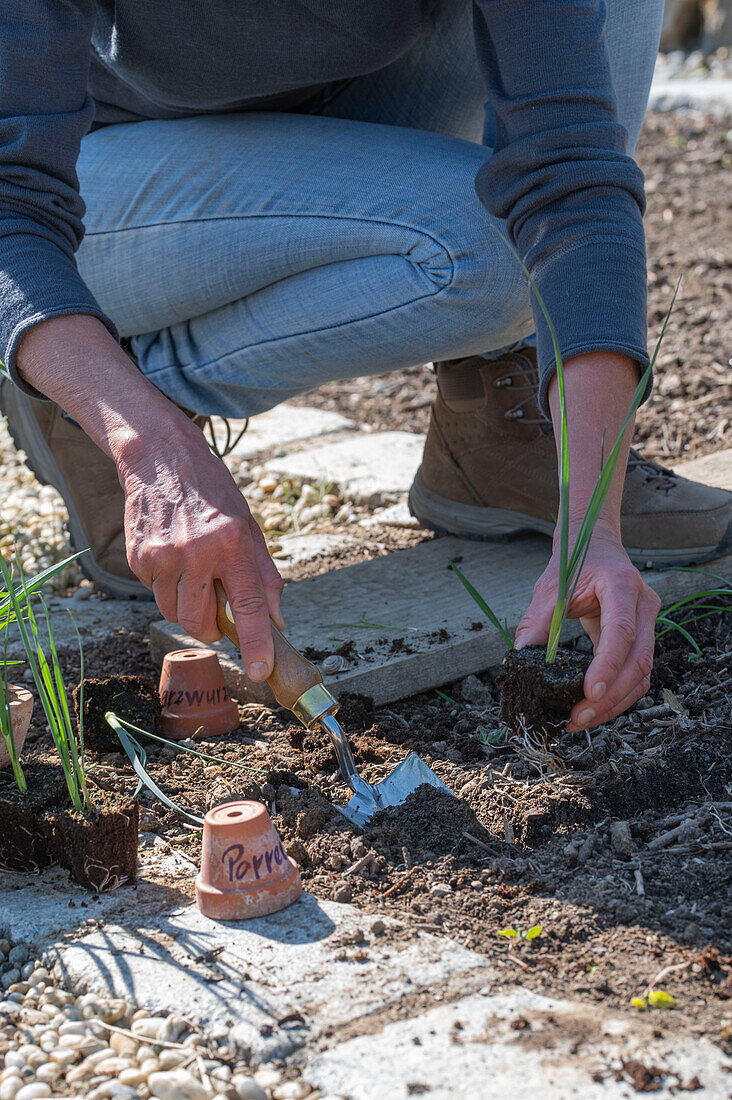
{"x":692,"y":609}
{"x":657,"y":998}
{"x":571,"y":563}
{"x":6,"y":725}
{"x":489,"y":737}
{"x":49,"y":683}
{"x":520,"y":934}
{"x":138,"y":758}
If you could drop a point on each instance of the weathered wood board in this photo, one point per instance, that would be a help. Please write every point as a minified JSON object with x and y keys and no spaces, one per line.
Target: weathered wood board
{"x":410,"y":621}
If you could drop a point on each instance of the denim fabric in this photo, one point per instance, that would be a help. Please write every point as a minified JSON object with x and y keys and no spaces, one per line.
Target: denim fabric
{"x":254,"y":256}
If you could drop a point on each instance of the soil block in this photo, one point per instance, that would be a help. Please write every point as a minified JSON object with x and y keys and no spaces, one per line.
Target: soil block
{"x":537,"y":697}
{"x":99,"y":850}
{"x":25,"y":832}
{"x":134,"y":698}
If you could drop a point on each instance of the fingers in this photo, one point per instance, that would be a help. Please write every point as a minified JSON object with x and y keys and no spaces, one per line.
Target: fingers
{"x":245,"y":592}
{"x":165,"y":590}
{"x":618,"y":605}
{"x":632,"y":680}
{"x":534,"y":626}
{"x":271,"y":579}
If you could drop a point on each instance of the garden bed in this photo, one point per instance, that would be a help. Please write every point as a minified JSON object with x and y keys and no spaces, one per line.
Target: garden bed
{"x":623,"y":860}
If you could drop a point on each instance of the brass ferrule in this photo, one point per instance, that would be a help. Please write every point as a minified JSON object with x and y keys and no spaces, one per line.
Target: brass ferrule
{"x":313,"y":704}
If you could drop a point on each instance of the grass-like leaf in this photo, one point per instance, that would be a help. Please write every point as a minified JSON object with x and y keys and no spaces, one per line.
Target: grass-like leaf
{"x":487,"y":611}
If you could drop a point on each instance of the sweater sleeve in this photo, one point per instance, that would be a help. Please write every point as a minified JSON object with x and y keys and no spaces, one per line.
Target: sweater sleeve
{"x":572,"y":199}
{"x":45,"y":111}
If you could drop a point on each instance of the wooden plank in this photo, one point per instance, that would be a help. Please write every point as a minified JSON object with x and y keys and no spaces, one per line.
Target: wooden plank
{"x":409,"y":619}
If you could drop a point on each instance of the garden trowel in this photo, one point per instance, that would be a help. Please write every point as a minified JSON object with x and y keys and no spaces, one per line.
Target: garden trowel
{"x":296,"y":684}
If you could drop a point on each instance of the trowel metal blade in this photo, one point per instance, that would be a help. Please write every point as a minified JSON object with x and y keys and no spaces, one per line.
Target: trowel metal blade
{"x":392,"y":791}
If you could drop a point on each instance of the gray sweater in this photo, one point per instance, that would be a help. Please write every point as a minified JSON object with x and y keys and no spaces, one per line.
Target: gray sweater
{"x":572,"y":199}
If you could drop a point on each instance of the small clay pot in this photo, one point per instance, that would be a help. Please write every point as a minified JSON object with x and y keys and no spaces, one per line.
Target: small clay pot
{"x":245,"y":871}
{"x":194,"y":697}
{"x":21,"y":709}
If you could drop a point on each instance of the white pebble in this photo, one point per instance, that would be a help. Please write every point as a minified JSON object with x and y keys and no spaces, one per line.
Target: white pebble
{"x":14,"y":1058}
{"x":150,"y":1065}
{"x":169,"y":1059}
{"x":291,"y":1090}
{"x":33,"y":1091}
{"x":63,"y":1056}
{"x":132,"y":1077}
{"x":10,"y":1087}
{"x":176,"y":1084}
{"x":268,"y":1077}
{"x":246,"y":1088}
{"x":112,"y":1065}
{"x":48,"y":1073}
{"x":149,"y":1027}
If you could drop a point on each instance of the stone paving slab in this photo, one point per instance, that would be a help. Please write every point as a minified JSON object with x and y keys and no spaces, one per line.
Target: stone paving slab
{"x":709,"y":94}
{"x":715,"y":469}
{"x":468,"y":1050}
{"x":282,"y":426}
{"x":369,"y":469}
{"x":411,"y":623}
{"x":273,"y":984}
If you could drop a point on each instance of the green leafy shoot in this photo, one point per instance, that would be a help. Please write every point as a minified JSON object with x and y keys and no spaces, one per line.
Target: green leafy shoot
{"x":570,"y":565}
{"x":31,"y":586}
{"x":449,"y":699}
{"x":138,"y":758}
{"x":656,"y":998}
{"x":520,"y":934}
{"x":487,"y":611}
{"x":691,"y":609}
{"x":115,"y":722}
{"x":6,"y":725}
{"x":489,"y":737}
{"x":49,"y":683}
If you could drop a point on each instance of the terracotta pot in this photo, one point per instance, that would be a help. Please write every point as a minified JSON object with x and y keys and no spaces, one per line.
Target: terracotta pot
{"x":21,"y":709}
{"x":194,"y":696}
{"x":245,"y":871}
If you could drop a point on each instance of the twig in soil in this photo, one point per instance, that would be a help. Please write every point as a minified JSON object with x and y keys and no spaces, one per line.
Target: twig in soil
{"x":362,"y":862}
{"x":640,"y":886}
{"x":406,"y":856}
{"x":397,"y":885}
{"x":150,"y":1042}
{"x":508,"y":831}
{"x":480,"y":843}
{"x":205,"y":1079}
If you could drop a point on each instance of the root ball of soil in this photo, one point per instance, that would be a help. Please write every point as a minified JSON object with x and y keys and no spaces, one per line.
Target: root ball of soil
{"x":99,"y":850}
{"x":134,"y":698}
{"x":536,"y":697}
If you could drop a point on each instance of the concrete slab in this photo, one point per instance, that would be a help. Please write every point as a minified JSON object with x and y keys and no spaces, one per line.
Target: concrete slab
{"x":297,"y":549}
{"x":370,"y":469}
{"x":411,"y":623}
{"x":95,"y":617}
{"x":40,"y":908}
{"x":396,"y":515}
{"x":277,"y":982}
{"x":713,"y":469}
{"x":709,"y":94}
{"x":469,"y":1049}
{"x":282,"y":426}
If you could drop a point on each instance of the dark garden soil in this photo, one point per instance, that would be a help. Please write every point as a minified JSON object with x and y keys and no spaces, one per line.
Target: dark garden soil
{"x":687,"y":162}
{"x":624,"y":859}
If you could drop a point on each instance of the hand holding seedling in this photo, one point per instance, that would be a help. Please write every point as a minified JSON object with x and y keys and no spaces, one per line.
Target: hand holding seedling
{"x":185,"y":521}
{"x":615,"y":605}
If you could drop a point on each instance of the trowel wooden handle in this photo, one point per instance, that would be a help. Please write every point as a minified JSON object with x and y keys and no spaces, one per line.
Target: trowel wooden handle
{"x":293,"y":674}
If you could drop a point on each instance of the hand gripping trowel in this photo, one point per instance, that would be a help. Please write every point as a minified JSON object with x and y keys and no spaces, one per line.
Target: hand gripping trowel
{"x":297,"y":685}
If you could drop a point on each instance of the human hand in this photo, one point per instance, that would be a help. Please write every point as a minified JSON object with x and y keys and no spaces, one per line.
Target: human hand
{"x":186,"y":523}
{"x":618,"y":610}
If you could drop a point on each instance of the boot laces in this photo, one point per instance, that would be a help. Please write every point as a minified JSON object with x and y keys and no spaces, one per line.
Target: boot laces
{"x":206,"y":424}
{"x":526,"y":382}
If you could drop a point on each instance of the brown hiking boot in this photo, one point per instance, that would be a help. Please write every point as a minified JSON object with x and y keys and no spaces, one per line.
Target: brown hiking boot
{"x":489,"y":471}
{"x":60,"y":454}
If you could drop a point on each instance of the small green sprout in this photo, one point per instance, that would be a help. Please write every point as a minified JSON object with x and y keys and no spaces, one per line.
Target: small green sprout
{"x":519,"y":934}
{"x":489,"y":737}
{"x":657,"y":998}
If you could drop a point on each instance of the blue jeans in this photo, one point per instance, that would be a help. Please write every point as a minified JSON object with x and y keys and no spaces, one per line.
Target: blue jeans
{"x":253,"y":256}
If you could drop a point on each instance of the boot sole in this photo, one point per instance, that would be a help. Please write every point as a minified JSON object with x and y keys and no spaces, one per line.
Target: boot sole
{"x":447,"y":517}
{"x":28,"y":437}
